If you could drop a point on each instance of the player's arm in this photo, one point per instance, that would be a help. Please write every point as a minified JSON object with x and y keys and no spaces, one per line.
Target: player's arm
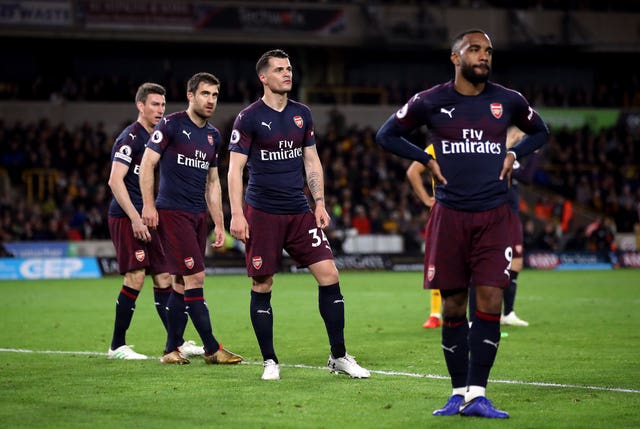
{"x":213,"y":197}
{"x":514,"y":135}
{"x":121,"y":194}
{"x":536,"y":135}
{"x":239,"y":227}
{"x":315,"y":182}
{"x":392,"y":138}
{"x":414,"y":174}
{"x":521,"y":171}
{"x":150,"y":159}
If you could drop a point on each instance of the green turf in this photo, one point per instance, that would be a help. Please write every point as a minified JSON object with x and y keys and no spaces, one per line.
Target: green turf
{"x":576,"y":366}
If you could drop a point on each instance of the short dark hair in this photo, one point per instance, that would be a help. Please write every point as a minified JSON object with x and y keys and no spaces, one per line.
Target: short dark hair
{"x":456,"y":40}
{"x":196,"y":79}
{"x":264,"y":59}
{"x":149,"y":88}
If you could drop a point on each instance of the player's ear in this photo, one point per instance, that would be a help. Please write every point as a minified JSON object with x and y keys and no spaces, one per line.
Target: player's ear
{"x":455,"y":59}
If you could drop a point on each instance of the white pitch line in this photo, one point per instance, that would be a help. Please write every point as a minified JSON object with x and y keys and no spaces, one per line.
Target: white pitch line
{"x":397,"y":373}
{"x":50,"y":352}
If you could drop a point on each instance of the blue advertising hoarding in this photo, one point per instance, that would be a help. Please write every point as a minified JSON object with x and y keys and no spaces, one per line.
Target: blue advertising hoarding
{"x":48,"y":268}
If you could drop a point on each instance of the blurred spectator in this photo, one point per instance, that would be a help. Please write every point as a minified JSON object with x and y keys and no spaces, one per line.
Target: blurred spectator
{"x":549,"y":238}
{"x":601,"y":236}
{"x":529,"y":234}
{"x":360,"y":221}
{"x":543,"y":208}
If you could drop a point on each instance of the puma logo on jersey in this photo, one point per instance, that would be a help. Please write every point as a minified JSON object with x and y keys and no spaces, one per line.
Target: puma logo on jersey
{"x":447,"y":112}
{"x":186,"y":134}
{"x":267,"y":125}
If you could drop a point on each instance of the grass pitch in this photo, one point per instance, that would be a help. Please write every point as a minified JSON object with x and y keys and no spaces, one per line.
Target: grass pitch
{"x":576,"y":366}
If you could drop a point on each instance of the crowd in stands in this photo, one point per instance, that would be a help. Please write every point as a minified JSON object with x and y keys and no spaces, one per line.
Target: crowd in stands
{"x":603,"y":92}
{"x":53,"y":183}
{"x":110,"y":88}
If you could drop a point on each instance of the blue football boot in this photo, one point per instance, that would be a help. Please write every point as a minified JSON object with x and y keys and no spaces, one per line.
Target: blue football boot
{"x":482,"y":407}
{"x":452,"y":407}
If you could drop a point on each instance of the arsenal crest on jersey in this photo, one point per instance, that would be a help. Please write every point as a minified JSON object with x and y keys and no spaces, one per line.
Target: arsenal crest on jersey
{"x":431,"y":272}
{"x":496,"y":110}
{"x":140,"y":255}
{"x":256,"y":261}
{"x":298,"y":121}
{"x":210,"y":139}
{"x":188,"y":262}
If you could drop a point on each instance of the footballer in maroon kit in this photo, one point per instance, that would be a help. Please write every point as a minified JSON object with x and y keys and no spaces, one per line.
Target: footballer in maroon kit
{"x":467,"y":234}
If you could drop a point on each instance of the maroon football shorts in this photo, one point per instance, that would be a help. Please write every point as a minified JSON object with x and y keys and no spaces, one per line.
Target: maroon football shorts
{"x":184,"y":237}
{"x":460,"y":246}
{"x":133,"y":254}
{"x":269,"y":234}
{"x":516,"y":235}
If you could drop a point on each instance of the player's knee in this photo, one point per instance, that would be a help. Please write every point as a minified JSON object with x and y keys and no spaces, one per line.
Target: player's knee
{"x":162,"y":280}
{"x":134,"y":279}
{"x":325,"y":272}
{"x":262,"y":284}
{"x":194,"y":281}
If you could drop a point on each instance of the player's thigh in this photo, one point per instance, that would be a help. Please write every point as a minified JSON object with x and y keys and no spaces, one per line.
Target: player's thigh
{"x":131,"y":253}
{"x":263,"y":249}
{"x":306,"y":243}
{"x":491,"y":252}
{"x":183,"y":237}
{"x":446,"y":250}
{"x":157,"y":256}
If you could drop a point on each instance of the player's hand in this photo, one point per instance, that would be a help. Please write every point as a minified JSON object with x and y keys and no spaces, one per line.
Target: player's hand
{"x":219,"y":237}
{"x":430,"y":202}
{"x":239,"y":228}
{"x":140,"y":230}
{"x":150,"y":217}
{"x":435,"y":172}
{"x":322,"y":216}
{"x":507,"y":165}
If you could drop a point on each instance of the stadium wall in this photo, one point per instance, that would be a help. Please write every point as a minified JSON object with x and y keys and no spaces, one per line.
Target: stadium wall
{"x":94,"y":259}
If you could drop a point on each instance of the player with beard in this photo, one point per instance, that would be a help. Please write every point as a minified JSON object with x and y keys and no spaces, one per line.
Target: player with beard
{"x":138,"y":249}
{"x":274,"y":138}
{"x":467,"y":234}
{"x":186,"y":146}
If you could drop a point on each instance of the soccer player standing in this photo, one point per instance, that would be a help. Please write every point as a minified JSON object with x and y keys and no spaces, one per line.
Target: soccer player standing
{"x":138,"y":249}
{"x":467,"y":233}
{"x":186,"y":146}
{"x":274,"y":138}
